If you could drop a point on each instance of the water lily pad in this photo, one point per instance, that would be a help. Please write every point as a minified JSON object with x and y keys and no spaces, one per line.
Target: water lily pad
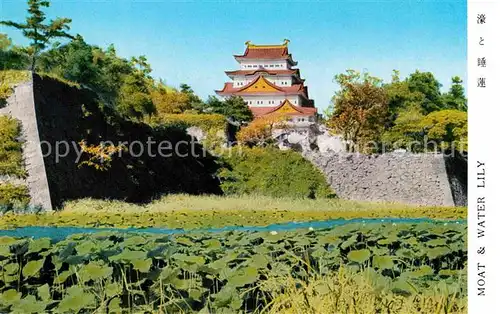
{"x":142,"y":265}
{"x":94,"y":271}
{"x":76,"y":300}
{"x":383,"y":262}
{"x":38,"y":245}
{"x":32,"y":268}
{"x":243,"y":277}
{"x":28,"y":305}
{"x":9,"y":297}
{"x":44,"y":292}
{"x":359,"y":256}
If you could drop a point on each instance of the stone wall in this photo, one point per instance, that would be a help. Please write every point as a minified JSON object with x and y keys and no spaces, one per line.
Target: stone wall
{"x":420,"y":179}
{"x":21,"y":106}
{"x":52,"y":112}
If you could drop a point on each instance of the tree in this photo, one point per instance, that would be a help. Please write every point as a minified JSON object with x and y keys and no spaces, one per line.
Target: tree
{"x":401,"y":98}
{"x":39,"y":32}
{"x":455,"y":98}
{"x":194,"y":102}
{"x":446,"y":129}
{"x":233,"y":107}
{"x":259,"y":132}
{"x":406,"y":131}
{"x":168,"y":100}
{"x":426,"y":84}
{"x":11,"y":57}
{"x":438,"y":131}
{"x":360,"y":109}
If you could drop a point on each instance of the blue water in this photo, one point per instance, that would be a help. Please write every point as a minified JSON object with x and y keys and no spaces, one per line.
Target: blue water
{"x":60,"y":233}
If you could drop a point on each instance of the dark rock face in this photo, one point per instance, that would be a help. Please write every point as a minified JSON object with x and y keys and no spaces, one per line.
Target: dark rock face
{"x":69,"y":115}
{"x":420,"y":179}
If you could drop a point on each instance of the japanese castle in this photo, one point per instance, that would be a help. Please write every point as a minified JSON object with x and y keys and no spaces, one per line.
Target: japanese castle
{"x":270,"y":84}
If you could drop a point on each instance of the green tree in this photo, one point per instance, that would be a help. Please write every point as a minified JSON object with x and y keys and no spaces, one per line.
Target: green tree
{"x":11,"y":57}
{"x":233,"y":107}
{"x":401,"y":98}
{"x":446,"y":129}
{"x":455,"y":98}
{"x":38,"y":31}
{"x":194,"y":102}
{"x":438,"y":131}
{"x":360,"y":109}
{"x":134,"y":100}
{"x":426,"y":84}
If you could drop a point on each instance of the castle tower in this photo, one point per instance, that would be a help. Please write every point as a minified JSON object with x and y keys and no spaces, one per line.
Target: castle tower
{"x":269,"y":83}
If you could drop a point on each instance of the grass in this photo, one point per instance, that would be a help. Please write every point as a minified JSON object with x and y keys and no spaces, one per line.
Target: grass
{"x":190,"y":212}
{"x":345,"y":292}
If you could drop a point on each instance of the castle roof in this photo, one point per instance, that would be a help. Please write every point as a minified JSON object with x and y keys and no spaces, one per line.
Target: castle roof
{"x":267,"y":52}
{"x":285,"y":108}
{"x":263,"y":70}
{"x":260,"y":85}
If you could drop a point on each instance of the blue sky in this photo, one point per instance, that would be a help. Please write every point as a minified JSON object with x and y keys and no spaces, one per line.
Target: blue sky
{"x":193,"y":42}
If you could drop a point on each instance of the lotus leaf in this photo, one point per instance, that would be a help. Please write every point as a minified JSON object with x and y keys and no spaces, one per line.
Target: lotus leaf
{"x":243,"y":276}
{"x":4,"y":251}
{"x":436,"y":242}
{"x":94,"y":271}
{"x":142,"y":265}
{"x":44,"y":292}
{"x":347,"y":243}
{"x":11,"y":268}
{"x":359,"y":256}
{"x":212,"y":244}
{"x":436,"y":252}
{"x":8,"y":240}
{"x":424,"y":270}
{"x":75,"y":300}
{"x":28,"y":305}
{"x":38,"y":245}
{"x":63,"y":276}
{"x":113,"y":289}
{"x":197,"y":293}
{"x":403,"y":287}
{"x":185,"y":241}
{"x":10,"y":297}
{"x":129,"y":255}
{"x":32,"y":268}
{"x":389,"y":240}
{"x":228,"y":297}
{"x":258,"y":261}
{"x":383,"y":262}
{"x":134,"y":241}
{"x":114,"y":306}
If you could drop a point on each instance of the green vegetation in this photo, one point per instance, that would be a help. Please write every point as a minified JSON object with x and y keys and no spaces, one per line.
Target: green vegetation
{"x":11,"y":165}
{"x":11,"y":158}
{"x":8,"y":78}
{"x":406,"y":113}
{"x":270,"y":171}
{"x":38,"y":31}
{"x":12,"y":195}
{"x":406,"y":268}
{"x":191,"y":212}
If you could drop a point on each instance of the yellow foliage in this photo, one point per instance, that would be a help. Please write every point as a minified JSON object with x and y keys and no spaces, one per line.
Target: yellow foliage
{"x":168,"y":100}
{"x":259,"y":131}
{"x":99,"y":156}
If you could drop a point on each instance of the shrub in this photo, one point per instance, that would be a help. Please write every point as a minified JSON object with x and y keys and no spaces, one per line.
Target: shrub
{"x":272,"y":172}
{"x":206,"y":122}
{"x":8,"y":78}
{"x":13,"y":195}
{"x":11,"y":158}
{"x":213,"y":125}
